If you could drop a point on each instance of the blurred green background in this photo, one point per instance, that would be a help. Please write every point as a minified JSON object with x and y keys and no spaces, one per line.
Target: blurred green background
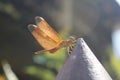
{"x":93,"y":20}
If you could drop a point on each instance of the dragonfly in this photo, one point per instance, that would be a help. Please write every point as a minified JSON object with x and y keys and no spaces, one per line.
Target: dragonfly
{"x":48,"y":38}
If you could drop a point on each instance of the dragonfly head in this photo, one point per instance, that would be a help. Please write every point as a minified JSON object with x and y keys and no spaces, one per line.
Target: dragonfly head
{"x":72,"y":39}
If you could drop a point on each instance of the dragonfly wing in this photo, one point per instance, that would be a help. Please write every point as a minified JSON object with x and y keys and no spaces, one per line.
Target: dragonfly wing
{"x":43,"y":39}
{"x":45,"y":27}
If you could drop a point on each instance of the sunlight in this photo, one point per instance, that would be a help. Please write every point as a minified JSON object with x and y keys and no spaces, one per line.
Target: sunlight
{"x":118,"y":1}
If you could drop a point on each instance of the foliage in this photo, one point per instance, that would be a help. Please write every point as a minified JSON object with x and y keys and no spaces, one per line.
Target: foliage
{"x":113,"y":65}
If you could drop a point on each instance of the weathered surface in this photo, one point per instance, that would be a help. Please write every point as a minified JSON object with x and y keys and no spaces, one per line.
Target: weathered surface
{"x":82,"y":65}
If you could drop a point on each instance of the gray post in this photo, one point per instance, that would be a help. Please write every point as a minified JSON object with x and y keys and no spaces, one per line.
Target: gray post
{"x":82,"y":65}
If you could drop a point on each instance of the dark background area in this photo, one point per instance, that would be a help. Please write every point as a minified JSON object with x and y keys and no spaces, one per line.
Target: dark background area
{"x":91,"y":19}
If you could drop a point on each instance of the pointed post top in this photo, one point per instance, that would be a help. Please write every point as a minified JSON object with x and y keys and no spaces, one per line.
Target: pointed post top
{"x":82,"y":65}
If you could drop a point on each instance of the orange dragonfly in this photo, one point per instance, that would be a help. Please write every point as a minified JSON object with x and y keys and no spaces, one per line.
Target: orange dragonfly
{"x":48,"y":38}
